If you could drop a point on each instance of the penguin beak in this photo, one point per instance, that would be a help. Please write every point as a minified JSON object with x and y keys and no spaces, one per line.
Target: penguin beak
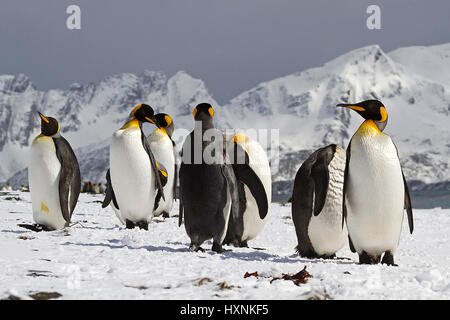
{"x":153,"y":120}
{"x":351,"y":106}
{"x":43,"y":118}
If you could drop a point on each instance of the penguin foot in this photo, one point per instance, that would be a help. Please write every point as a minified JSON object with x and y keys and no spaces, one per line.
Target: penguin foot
{"x":129,"y":224}
{"x":218,"y":248}
{"x":244,"y":244}
{"x":142,"y":225}
{"x":364,"y":258}
{"x":165,"y":214}
{"x":388,"y":259}
{"x":328,"y":257}
{"x":195,"y":247}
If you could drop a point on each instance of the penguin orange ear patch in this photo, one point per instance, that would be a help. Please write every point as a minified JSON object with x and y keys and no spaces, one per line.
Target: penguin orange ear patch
{"x":383,"y":113}
{"x":168,"y":120}
{"x":211,"y":112}
{"x":194,"y":112}
{"x":136,"y":109}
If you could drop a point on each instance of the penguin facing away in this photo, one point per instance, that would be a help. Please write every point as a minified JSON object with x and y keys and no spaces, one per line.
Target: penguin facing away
{"x":54,"y":177}
{"x":317,"y":203}
{"x":134,"y":179}
{"x":375,"y":189}
{"x":252,"y":170}
{"x":163,"y":148}
{"x":208,"y":190}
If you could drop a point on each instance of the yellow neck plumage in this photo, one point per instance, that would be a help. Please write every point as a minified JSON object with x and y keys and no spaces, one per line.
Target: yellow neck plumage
{"x":132,"y":124}
{"x":368,"y":128}
{"x":161,"y":130}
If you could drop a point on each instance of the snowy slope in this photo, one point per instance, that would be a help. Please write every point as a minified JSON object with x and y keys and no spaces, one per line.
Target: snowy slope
{"x":98,"y":259}
{"x":430,"y":62}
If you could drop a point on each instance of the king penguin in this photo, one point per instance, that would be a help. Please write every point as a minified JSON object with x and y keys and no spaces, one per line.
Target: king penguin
{"x":254,"y":182}
{"x":134,"y":180}
{"x":54,"y":177}
{"x":208,"y":188}
{"x":375,"y":189}
{"x":163,"y":147}
{"x":317,"y":203}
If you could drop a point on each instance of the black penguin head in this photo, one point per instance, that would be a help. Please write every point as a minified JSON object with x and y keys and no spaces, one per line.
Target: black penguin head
{"x":144,"y":113}
{"x":165,"y":122}
{"x":370,"y":110}
{"x":49,"y":125}
{"x":203,"y":111}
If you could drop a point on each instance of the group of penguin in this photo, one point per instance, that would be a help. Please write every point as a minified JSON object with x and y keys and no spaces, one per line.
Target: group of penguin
{"x":359,"y":194}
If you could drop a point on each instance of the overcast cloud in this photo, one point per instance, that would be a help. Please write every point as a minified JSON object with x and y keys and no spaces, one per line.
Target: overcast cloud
{"x":232,"y":45}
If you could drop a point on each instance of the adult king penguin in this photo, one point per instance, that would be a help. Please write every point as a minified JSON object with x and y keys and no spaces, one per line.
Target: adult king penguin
{"x":317,"y":203}
{"x":163,"y":148}
{"x":134,"y":178}
{"x":54,"y":177}
{"x":375,"y":189}
{"x":208,"y":190}
{"x":254,"y":182}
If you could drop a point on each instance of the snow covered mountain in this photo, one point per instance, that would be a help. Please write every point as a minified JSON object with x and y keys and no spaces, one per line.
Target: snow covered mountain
{"x":412,"y":82}
{"x":303,"y":106}
{"x":88,"y":114}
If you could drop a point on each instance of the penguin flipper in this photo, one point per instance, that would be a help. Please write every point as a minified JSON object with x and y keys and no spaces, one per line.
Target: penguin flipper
{"x":69,"y":178}
{"x":175,"y":180}
{"x":180,"y":210}
{"x":350,"y":243}
{"x":163,"y":177}
{"x":347,"y":162}
{"x":408,"y":205}
{"x":109,"y":192}
{"x":321,"y":176}
{"x":245,"y":173}
{"x":153,"y":163}
{"x":230,"y":177}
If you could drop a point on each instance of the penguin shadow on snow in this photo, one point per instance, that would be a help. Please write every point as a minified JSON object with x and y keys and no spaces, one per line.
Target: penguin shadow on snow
{"x":111,"y":245}
{"x":263,"y":256}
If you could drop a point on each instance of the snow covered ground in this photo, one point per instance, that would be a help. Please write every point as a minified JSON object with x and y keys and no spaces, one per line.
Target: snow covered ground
{"x":99,"y":259}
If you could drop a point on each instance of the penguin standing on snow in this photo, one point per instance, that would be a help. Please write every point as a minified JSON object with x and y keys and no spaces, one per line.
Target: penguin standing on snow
{"x":208,"y":190}
{"x":375,"y":189}
{"x":163,"y":147}
{"x":254,"y":182}
{"x":135,"y":179}
{"x":317,"y":203}
{"x":54,"y":178}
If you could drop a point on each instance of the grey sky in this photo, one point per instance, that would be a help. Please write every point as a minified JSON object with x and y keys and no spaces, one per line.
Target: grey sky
{"x":231,"y":44}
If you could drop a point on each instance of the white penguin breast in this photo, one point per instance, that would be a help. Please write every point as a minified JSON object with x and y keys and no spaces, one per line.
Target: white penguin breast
{"x":44,"y":172}
{"x":375,"y":194}
{"x":325,"y":231}
{"x":132,"y":176}
{"x":162,"y":148}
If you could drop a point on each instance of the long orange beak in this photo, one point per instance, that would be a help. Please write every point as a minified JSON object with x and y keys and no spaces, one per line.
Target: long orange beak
{"x":351,"y":107}
{"x":42,"y":117}
{"x":151,"y":121}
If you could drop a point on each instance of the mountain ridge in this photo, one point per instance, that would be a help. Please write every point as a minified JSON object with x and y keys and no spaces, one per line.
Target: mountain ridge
{"x":302,"y":105}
